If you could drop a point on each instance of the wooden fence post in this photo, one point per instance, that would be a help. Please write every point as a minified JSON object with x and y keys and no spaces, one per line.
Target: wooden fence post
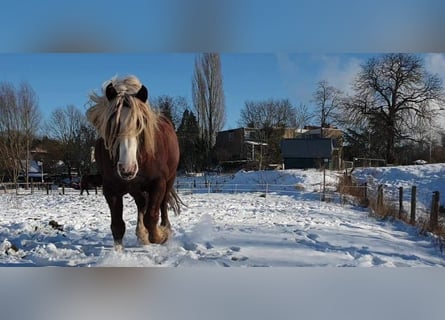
{"x":366,"y":193}
{"x":434,"y":217}
{"x":400,"y":202}
{"x":380,"y":198}
{"x":412,"y":219}
{"x":47,"y":188}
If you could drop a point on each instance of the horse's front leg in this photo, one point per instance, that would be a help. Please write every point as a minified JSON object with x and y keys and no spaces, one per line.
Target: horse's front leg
{"x":115,"y":204}
{"x":141,"y":199}
{"x":156,"y":233}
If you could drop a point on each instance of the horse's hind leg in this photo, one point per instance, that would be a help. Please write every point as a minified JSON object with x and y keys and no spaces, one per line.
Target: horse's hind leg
{"x":117,"y":223}
{"x":165,"y":222}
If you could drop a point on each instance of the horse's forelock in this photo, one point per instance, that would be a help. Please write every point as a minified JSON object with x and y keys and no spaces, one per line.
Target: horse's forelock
{"x":124,"y":86}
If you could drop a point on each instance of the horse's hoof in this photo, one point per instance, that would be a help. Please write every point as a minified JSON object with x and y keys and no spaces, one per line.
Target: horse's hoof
{"x":161,"y":237}
{"x":144,"y":241}
{"x":118,"y":247}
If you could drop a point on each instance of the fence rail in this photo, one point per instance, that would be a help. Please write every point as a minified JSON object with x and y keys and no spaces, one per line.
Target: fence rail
{"x":39,"y":187}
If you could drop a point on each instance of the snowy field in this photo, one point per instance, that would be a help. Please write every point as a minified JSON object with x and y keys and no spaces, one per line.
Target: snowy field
{"x":271,"y":218}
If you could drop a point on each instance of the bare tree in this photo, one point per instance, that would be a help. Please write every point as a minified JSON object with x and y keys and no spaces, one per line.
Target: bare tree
{"x":19,"y":122}
{"x":393,"y":94}
{"x":208,"y":97}
{"x":303,"y":116}
{"x":270,"y":117}
{"x":64,"y":123}
{"x":327,"y":100}
{"x":271,"y":113}
{"x":69,"y":126}
{"x":10,"y":143}
{"x":172,"y":107}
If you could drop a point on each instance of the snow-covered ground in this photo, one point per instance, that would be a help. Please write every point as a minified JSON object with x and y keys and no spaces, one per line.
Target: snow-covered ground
{"x":270,"y":218}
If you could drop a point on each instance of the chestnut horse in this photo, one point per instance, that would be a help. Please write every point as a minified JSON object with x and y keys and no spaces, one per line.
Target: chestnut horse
{"x":137,"y":153}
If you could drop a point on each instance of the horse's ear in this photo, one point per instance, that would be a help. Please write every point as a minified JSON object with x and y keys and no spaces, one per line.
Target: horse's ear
{"x":110,"y":92}
{"x":142,"y":94}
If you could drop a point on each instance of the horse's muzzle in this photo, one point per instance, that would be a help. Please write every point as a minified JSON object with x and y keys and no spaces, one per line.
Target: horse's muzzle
{"x":127,"y":171}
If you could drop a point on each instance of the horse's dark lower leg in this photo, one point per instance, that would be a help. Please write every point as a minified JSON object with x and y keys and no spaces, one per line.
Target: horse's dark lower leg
{"x":117,"y":223}
{"x":117,"y":227}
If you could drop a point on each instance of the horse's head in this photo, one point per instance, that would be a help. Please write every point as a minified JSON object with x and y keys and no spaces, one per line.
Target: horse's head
{"x":126,"y":131}
{"x":124,"y":120}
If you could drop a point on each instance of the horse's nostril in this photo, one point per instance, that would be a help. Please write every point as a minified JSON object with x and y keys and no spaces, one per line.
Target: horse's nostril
{"x":127,"y":171}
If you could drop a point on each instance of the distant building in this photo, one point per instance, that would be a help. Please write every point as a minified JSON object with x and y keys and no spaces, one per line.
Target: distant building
{"x":35,"y":170}
{"x":306,"y":153}
{"x":34,"y":164}
{"x":329,"y":132}
{"x":242,"y":146}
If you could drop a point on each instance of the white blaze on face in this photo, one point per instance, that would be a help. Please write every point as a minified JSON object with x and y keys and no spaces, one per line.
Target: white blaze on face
{"x":127,"y":166}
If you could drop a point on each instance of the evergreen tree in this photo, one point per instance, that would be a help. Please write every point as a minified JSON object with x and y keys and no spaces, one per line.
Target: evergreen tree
{"x":189,"y":143}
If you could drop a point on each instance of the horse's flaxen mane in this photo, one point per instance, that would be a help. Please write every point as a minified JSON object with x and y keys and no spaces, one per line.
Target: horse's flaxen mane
{"x":105,"y":116}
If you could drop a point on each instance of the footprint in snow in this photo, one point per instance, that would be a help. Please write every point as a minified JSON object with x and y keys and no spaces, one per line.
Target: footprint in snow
{"x":313,"y":236}
{"x":242,"y":258}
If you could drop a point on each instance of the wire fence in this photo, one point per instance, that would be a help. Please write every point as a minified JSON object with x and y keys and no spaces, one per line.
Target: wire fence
{"x":222,"y":184}
{"x":185,"y":186}
{"x":416,"y":206}
{"x":42,"y":188}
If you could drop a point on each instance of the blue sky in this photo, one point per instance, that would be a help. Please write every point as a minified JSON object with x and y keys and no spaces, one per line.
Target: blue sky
{"x":60,"y":79}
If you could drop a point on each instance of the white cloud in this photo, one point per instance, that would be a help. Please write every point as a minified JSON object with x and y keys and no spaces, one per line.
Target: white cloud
{"x":340,"y":72}
{"x":298,"y":83}
{"x":300,"y":73}
{"x":435,"y":63}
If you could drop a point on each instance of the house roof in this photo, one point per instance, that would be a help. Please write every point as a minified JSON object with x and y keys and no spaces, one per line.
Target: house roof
{"x":307,"y":148}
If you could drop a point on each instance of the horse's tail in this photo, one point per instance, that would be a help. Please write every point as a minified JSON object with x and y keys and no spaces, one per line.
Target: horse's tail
{"x":174,"y":201}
